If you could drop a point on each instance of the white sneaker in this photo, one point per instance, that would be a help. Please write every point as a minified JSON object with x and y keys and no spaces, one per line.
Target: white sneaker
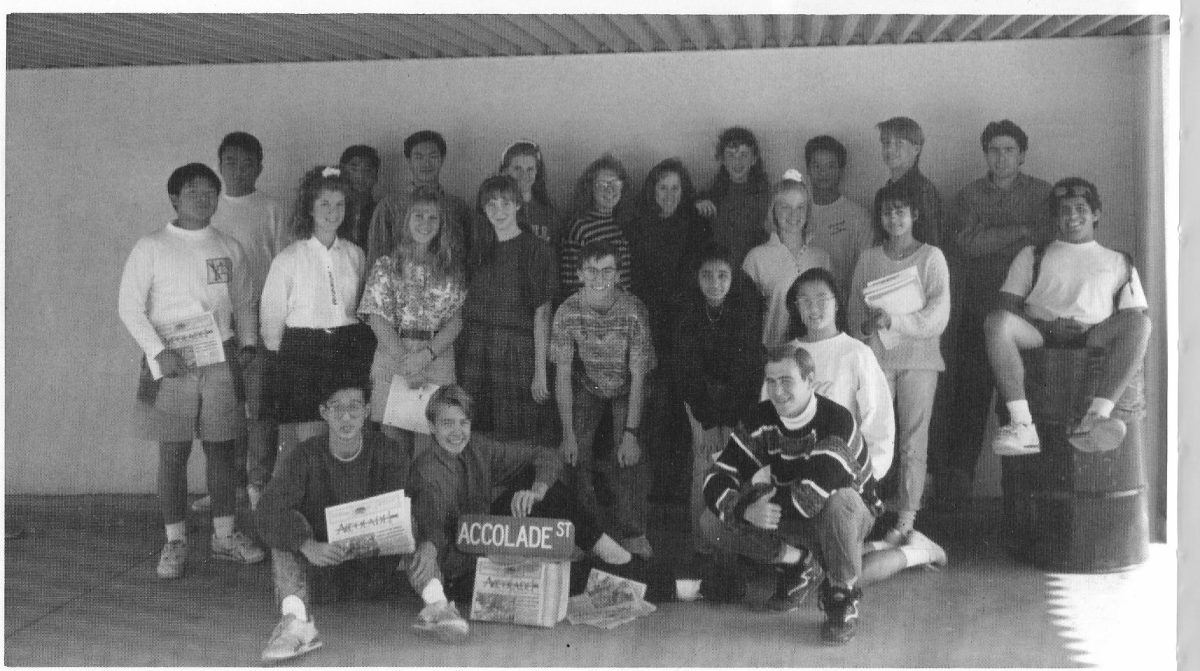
{"x":937,"y":555}
{"x":1097,"y":434}
{"x":1016,"y":440}
{"x":442,"y":620}
{"x":238,"y":547}
{"x":172,"y":559}
{"x":291,"y":638}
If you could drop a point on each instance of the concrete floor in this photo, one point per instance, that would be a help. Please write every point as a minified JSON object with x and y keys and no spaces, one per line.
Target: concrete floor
{"x":80,"y":590}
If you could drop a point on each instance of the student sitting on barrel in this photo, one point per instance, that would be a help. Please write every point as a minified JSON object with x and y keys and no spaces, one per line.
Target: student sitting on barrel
{"x":1073,"y":292}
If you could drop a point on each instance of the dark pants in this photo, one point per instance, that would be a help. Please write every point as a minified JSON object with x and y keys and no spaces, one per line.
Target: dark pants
{"x":367,"y":578}
{"x":220,"y":469}
{"x":973,"y":385}
{"x":629,"y":484}
{"x":835,"y":535}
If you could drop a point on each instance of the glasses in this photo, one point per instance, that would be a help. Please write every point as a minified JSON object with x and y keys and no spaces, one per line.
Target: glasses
{"x":1080,"y":190}
{"x":609,"y":185}
{"x":354,"y":410}
{"x":606,"y":273}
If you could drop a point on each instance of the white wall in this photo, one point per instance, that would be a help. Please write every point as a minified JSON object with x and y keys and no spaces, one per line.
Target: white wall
{"x":89,"y":152}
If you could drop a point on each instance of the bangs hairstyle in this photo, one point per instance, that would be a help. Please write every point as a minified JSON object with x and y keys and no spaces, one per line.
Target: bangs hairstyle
{"x":646,"y":200}
{"x":713,"y":252}
{"x":311,"y":186}
{"x":583,"y":200}
{"x":239,"y":139}
{"x":787,"y":185}
{"x":738,"y":136}
{"x":527,"y":148}
{"x":446,"y":247}
{"x":483,"y":234}
{"x":793,"y":352}
{"x":424,"y":136}
{"x":595,"y":251}
{"x":814,"y":276}
{"x":1004,"y":128}
{"x":183,"y":175}
{"x":895,"y":193}
{"x":449,"y":395}
{"x":903,"y":128}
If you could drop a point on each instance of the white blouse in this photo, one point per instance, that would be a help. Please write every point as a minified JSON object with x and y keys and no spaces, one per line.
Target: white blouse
{"x":311,"y":286}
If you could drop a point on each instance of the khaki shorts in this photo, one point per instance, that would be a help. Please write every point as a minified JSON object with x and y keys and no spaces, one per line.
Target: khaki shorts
{"x":204,"y":403}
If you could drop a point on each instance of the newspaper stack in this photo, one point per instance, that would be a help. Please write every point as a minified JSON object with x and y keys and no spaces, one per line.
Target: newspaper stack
{"x":609,"y":601}
{"x":897,"y":294}
{"x":520,"y":591}
{"x":370,"y":527}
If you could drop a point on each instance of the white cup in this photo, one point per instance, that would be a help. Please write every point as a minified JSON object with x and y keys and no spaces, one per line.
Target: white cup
{"x":687,"y":589}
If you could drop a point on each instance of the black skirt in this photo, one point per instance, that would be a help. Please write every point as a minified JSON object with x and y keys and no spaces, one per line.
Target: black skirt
{"x":291,"y":392}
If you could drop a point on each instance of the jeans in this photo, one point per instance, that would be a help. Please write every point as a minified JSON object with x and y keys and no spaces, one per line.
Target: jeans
{"x":913,"y":391}
{"x":702,"y":459}
{"x":220,"y":470}
{"x":835,"y":536}
{"x":630,"y":484}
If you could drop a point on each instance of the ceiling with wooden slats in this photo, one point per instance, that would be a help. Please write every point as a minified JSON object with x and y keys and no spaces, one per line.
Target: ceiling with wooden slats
{"x":115,"y":40}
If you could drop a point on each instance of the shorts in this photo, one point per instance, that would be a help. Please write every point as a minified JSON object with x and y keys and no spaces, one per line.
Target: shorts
{"x":205,"y":403}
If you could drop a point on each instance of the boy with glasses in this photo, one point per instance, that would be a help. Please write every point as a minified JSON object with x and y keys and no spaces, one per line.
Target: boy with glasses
{"x":1073,"y":292}
{"x":348,"y":464}
{"x":600,"y":343}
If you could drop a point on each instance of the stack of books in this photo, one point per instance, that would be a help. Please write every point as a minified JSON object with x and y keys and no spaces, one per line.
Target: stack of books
{"x":900,"y":293}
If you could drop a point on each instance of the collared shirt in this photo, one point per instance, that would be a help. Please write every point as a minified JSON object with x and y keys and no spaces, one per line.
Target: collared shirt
{"x":311,"y":286}
{"x":609,"y":344}
{"x":983,"y":218}
{"x":452,"y":485}
{"x":773,"y":268}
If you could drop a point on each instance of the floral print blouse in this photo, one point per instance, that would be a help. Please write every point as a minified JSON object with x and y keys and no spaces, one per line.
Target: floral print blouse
{"x":411,"y":296}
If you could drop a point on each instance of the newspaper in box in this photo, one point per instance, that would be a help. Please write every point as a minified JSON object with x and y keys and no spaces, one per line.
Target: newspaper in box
{"x":378,"y":525}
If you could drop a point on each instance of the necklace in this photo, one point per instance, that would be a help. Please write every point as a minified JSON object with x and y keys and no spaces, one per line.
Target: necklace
{"x":897,"y":253}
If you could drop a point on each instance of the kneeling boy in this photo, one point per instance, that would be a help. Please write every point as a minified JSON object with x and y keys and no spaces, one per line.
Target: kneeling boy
{"x":794,"y":485}
{"x":346,"y":465}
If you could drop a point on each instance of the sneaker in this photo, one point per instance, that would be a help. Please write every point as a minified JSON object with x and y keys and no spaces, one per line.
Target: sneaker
{"x":795,"y":583}
{"x":1097,"y":434}
{"x":1016,"y":440}
{"x":442,"y":620}
{"x":937,"y":555}
{"x":172,"y":559}
{"x":291,"y":638}
{"x":237,"y":547}
{"x":841,"y":613}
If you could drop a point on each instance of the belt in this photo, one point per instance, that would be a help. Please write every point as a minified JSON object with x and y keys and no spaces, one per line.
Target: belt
{"x":416,"y":334}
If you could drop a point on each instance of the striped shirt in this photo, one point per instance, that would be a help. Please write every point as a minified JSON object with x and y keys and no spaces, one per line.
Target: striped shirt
{"x":805,"y":464}
{"x":593,"y":227}
{"x":609,"y":344}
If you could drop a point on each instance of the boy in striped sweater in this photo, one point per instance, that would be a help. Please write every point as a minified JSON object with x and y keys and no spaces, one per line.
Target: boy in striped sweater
{"x":794,"y":488}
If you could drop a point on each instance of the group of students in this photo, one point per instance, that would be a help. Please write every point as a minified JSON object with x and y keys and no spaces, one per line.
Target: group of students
{"x":744,"y":302}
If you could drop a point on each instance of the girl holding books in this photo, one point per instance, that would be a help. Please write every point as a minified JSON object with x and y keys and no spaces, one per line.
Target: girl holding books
{"x":906,"y":345}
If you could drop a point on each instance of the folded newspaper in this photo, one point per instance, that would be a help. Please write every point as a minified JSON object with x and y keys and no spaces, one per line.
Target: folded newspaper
{"x":609,"y":601}
{"x":520,"y":591}
{"x":196,"y":339}
{"x":379,"y":525}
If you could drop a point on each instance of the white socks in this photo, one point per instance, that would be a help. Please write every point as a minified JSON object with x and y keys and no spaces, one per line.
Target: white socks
{"x":177,"y":532}
{"x":292,"y":605}
{"x":223,"y":526}
{"x":1101,"y":406}
{"x":1018,"y":412}
{"x":433,"y":592}
{"x":875,"y":546}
